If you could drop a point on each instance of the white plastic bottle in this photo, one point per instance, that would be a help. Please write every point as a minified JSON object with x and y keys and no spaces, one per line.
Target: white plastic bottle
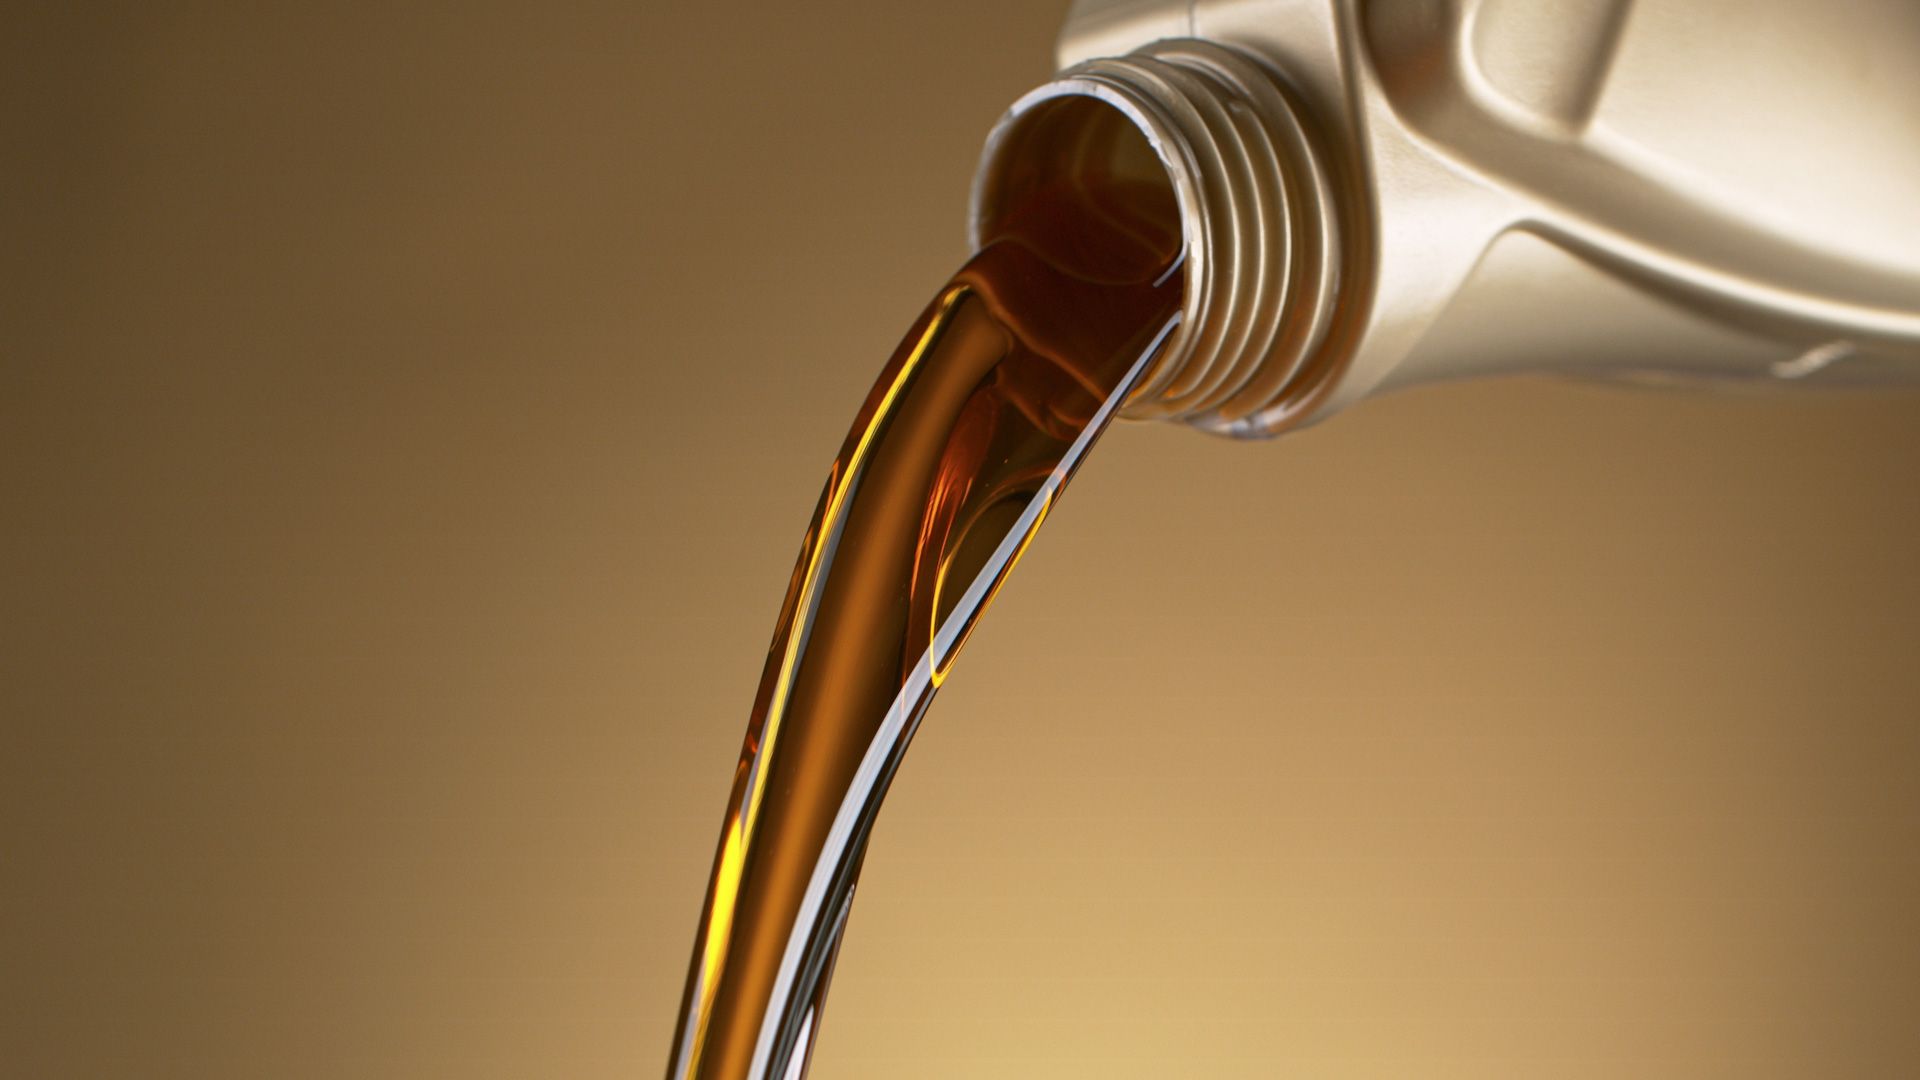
{"x":1378,"y":193}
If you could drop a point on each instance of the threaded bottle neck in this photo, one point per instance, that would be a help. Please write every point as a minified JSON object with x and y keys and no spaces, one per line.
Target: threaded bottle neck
{"x":1261,"y":239}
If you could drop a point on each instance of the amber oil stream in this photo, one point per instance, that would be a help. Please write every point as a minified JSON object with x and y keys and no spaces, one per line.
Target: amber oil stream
{"x":956,"y":458}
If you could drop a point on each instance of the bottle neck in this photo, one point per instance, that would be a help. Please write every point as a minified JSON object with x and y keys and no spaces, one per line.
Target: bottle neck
{"x":1269,"y":254}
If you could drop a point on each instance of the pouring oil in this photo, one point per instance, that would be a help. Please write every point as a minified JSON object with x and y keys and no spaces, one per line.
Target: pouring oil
{"x":960,"y":451}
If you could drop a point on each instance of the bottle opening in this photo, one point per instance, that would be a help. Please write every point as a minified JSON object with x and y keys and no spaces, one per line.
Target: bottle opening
{"x":1203,"y":142}
{"x":1077,"y":142}
{"x":1082,"y":153}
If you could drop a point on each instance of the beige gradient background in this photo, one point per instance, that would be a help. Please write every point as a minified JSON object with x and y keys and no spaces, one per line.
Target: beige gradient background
{"x":407,"y":419}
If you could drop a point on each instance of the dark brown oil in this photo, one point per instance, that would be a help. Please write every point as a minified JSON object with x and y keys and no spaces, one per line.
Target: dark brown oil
{"x":960,"y":450}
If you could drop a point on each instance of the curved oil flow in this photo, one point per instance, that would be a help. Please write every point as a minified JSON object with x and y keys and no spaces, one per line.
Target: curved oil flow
{"x":855,"y":817}
{"x":956,"y":459}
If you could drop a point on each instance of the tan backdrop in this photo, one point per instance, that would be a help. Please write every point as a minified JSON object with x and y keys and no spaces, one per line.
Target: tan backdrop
{"x":407,"y":419}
